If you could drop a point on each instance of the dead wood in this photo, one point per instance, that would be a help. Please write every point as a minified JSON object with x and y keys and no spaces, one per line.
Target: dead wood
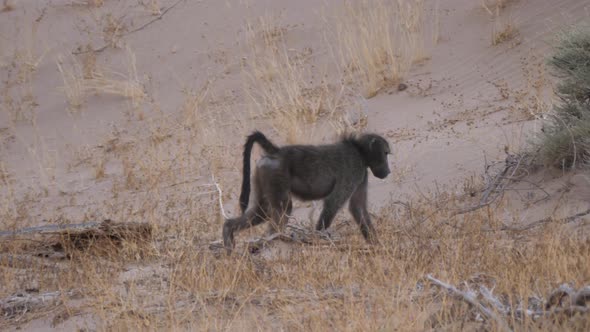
{"x":45,"y":260}
{"x":21,"y":303}
{"x":49,"y":229}
{"x":471,"y":299}
{"x":582,"y":297}
{"x":79,"y":236}
{"x":563,"y":301}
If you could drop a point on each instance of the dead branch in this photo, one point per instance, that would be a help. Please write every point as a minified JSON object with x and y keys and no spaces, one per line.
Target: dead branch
{"x":106,"y":227}
{"x":50,"y":229}
{"x":564,"y":300}
{"x":582,"y":297}
{"x":540,"y":222}
{"x":574,"y":298}
{"x":22,"y":303}
{"x":80,"y":236}
{"x":488,"y":296}
{"x":471,"y":300}
{"x":47,"y":260}
{"x":558,"y":295}
{"x":497,"y":183}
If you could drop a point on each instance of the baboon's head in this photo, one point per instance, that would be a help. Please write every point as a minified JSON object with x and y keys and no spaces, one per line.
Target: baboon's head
{"x":375,"y":150}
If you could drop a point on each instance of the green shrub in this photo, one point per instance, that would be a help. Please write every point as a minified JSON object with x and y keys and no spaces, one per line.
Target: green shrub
{"x":566,"y":137}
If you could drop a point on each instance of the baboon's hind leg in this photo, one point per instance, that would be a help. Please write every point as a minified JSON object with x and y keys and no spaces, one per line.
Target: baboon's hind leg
{"x":249,"y":219}
{"x":252,"y":217}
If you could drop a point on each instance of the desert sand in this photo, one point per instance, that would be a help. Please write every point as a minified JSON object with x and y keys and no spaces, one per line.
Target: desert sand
{"x":133,"y":110}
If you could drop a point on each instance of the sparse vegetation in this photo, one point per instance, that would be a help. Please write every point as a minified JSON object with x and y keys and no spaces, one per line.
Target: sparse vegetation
{"x":80,"y":80}
{"x":503,"y":32}
{"x":504,"y":27}
{"x":376,"y":42}
{"x":174,"y":166}
{"x":280,"y":87}
{"x":565,"y":140}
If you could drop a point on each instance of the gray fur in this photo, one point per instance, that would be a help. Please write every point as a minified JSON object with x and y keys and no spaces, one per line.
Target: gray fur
{"x":334,"y":172}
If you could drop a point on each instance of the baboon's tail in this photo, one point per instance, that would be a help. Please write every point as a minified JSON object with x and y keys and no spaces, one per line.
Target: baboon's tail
{"x":269,"y":147}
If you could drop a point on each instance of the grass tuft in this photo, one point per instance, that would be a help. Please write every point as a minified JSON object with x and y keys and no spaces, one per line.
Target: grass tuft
{"x":376,"y":42}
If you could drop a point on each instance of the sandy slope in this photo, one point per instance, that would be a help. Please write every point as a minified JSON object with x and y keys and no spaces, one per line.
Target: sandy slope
{"x":460,"y":107}
{"x":463,"y":105}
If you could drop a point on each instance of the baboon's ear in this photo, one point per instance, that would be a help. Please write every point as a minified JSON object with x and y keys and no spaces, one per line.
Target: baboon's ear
{"x":373,"y":139}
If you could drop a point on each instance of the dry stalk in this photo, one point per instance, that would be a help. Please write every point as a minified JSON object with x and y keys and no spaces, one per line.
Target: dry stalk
{"x":225,"y":216}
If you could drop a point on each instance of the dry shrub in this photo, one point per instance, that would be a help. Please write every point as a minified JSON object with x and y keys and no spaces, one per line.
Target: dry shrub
{"x":376,"y":42}
{"x":565,"y":139}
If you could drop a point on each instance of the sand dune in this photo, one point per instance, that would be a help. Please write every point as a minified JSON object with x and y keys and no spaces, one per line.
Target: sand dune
{"x":169,"y":94}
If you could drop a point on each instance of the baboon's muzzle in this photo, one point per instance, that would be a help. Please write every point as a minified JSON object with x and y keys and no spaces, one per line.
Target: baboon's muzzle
{"x":381,"y":172}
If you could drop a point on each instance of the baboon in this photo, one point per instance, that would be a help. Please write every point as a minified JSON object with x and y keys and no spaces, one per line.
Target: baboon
{"x":335,"y":172}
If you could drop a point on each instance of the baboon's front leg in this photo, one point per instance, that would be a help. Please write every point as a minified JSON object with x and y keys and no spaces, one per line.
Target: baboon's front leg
{"x":358,"y":209}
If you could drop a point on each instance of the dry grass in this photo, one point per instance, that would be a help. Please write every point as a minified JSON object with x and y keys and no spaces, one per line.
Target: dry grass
{"x":502,"y":32}
{"x":279,"y":83}
{"x":28,"y":57}
{"x":175,"y":281}
{"x":7,"y":6}
{"x":153,"y":6}
{"x":18,"y":99}
{"x":113,"y":29}
{"x":73,"y":79}
{"x":504,"y":27}
{"x":533,"y":98}
{"x":377,"y":42}
{"x":80,"y":80}
{"x":493,"y":7}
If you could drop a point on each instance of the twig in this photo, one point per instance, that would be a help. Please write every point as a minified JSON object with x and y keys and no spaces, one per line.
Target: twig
{"x":547,"y":195}
{"x":220,"y":197}
{"x":498,"y":183}
{"x":143,"y":26}
{"x":544,"y":221}
{"x":159,"y":17}
{"x":471,"y":300}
